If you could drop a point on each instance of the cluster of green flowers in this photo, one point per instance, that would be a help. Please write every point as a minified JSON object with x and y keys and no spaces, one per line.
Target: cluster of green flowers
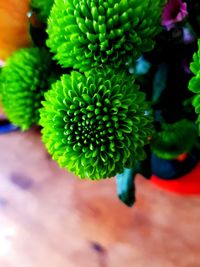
{"x":95,"y":120}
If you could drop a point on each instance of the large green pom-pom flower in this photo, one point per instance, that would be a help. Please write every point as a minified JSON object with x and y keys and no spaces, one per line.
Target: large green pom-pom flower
{"x":194,"y":84}
{"x":85,"y":34}
{"x":174,"y":139}
{"x":24,"y":80}
{"x":43,"y":8}
{"x":96,"y":124}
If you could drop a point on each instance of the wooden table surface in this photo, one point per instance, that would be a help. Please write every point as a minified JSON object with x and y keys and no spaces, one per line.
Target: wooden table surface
{"x":49,"y":218}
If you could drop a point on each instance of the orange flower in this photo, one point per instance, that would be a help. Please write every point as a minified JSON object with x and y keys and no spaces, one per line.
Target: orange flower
{"x":13,"y":26}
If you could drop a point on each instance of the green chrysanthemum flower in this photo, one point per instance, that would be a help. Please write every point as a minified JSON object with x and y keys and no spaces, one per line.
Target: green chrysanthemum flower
{"x":174,"y":139}
{"x":85,"y":34}
{"x":96,"y":124}
{"x":43,"y":8}
{"x":194,"y":84}
{"x":25,"y":78}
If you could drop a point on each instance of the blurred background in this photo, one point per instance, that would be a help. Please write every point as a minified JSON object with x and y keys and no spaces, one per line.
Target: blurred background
{"x":50,"y":218}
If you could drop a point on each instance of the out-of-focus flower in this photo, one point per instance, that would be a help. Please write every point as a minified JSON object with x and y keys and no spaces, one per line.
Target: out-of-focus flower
{"x":174,"y":11}
{"x":13,"y":26}
{"x":24,"y":79}
{"x":166,"y":143}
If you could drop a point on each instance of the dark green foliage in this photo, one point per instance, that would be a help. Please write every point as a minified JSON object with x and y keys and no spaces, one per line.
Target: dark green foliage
{"x":24,"y":80}
{"x":43,"y":8}
{"x":96,"y":124}
{"x":174,"y":139}
{"x":85,"y":34}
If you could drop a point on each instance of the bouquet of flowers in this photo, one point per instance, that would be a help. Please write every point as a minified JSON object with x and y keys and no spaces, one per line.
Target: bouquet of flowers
{"x":114,"y":85}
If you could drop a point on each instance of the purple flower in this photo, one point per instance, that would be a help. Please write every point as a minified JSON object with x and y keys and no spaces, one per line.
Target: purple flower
{"x":174,"y":11}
